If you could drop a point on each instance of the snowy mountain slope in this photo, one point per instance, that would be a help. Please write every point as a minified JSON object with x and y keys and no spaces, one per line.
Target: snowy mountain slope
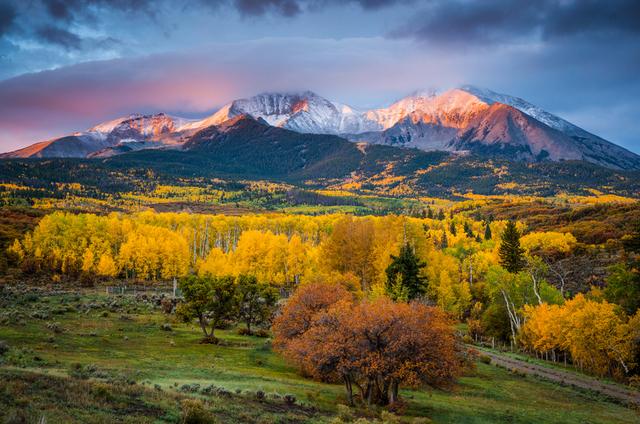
{"x":136,"y":131}
{"x":304,"y":112}
{"x":461,"y":119}
{"x":595,"y":149}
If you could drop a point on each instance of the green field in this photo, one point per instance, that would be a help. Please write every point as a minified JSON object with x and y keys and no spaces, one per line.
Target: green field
{"x":91,"y":358}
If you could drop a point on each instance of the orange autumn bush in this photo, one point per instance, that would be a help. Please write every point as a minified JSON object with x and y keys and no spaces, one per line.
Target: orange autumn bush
{"x":373,"y":347}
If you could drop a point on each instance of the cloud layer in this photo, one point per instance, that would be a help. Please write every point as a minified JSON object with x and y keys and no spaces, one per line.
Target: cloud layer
{"x":68,"y":64}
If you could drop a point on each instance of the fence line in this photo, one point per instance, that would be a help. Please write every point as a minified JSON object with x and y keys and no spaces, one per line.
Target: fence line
{"x":133,"y":289}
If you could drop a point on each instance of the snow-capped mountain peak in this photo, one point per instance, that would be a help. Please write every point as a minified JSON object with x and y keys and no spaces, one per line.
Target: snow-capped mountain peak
{"x":465,"y":118}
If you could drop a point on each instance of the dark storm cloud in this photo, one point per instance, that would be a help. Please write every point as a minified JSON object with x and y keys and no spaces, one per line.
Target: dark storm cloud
{"x":7,"y":16}
{"x":60,"y":9}
{"x":69,"y":10}
{"x":61,"y":37}
{"x":48,"y":21}
{"x":592,"y":16}
{"x":261,"y":7}
{"x":576,"y":58}
{"x":506,"y":21}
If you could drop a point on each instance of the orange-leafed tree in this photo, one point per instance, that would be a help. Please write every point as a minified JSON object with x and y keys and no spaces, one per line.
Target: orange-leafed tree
{"x":373,"y":346}
{"x":298,"y":314}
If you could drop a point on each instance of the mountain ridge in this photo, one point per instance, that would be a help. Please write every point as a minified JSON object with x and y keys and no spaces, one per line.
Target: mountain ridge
{"x":458,"y":120}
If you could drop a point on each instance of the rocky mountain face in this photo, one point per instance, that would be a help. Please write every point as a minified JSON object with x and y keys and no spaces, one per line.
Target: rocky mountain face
{"x":465,"y":119}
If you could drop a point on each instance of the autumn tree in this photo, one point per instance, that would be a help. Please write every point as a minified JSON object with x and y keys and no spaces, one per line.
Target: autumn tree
{"x":350,"y":249}
{"x":107,"y":266}
{"x":256,"y":301}
{"x":303,"y":306}
{"x":510,"y":252}
{"x":376,"y":347}
{"x":404,"y":281}
{"x":515,"y":291}
{"x":595,"y":335}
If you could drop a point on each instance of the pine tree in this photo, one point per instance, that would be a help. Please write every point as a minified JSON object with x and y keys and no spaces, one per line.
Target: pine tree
{"x":487,"y":232}
{"x":404,"y":281}
{"x":440,"y":215}
{"x":467,"y":229}
{"x":510,"y":252}
{"x":452,"y":228}
{"x":444,"y":243}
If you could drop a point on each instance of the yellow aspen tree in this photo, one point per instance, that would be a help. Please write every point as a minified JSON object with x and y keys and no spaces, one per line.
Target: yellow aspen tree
{"x":107,"y":266}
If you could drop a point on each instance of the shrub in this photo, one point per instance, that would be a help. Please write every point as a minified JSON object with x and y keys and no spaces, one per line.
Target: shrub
{"x":55,"y":327}
{"x":223,"y":392}
{"x":485,"y":359}
{"x":167,"y":305}
{"x":389,"y":418}
{"x":190,"y":388}
{"x":209,"y":340}
{"x":260,"y":395}
{"x":344,"y":413}
{"x":194,"y":412}
{"x":290,"y":399}
{"x":4,"y":347}
{"x":166,"y":327}
{"x":242,"y":331}
{"x":209,"y":390}
{"x":262,"y":333}
{"x":43,"y":315}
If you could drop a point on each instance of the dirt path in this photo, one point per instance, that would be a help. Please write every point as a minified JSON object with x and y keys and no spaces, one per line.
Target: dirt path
{"x":565,"y":377}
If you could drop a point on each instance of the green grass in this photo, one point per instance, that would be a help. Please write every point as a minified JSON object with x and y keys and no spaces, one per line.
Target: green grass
{"x":138,"y":349}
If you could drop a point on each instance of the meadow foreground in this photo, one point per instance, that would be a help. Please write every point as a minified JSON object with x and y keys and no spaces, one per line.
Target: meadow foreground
{"x":82,"y":356}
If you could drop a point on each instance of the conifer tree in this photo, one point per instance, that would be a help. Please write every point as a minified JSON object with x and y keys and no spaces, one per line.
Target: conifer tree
{"x":510,"y":252}
{"x":452,"y":228}
{"x":487,"y":232}
{"x":467,"y":229}
{"x":404,"y":281}
{"x":444,"y":243}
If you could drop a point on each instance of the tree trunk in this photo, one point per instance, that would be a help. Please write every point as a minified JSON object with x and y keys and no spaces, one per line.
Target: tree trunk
{"x":203,"y":325}
{"x":393,"y":392}
{"x":214,"y":324}
{"x":349,"y":389}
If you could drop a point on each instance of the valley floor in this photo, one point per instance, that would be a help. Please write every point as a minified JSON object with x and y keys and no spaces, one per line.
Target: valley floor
{"x":88,"y":357}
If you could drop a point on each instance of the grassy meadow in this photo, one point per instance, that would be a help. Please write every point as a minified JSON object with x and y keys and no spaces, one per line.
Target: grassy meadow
{"x":88,"y":357}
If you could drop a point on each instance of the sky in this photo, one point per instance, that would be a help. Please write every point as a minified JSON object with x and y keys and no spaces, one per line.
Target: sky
{"x":66,"y":65}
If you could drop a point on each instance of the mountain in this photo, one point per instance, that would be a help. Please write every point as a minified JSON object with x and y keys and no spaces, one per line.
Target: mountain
{"x":594,"y":149}
{"x":245,"y":147}
{"x":133,"y":132}
{"x":248,"y":149}
{"x":465,"y":119}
